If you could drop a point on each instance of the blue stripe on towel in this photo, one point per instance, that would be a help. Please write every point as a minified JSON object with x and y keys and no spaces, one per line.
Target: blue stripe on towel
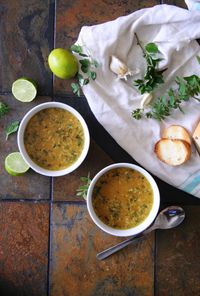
{"x":191,"y":186}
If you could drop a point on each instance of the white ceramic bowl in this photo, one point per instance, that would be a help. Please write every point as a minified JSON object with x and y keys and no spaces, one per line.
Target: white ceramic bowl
{"x":131,"y":231}
{"x":33,"y":165}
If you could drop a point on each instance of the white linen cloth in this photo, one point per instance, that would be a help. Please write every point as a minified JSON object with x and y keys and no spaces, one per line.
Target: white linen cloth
{"x":174,"y":30}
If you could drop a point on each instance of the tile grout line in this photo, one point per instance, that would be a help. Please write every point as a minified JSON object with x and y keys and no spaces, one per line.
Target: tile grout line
{"x":28,"y":200}
{"x":50,"y":238}
{"x":70,"y":202}
{"x":54,"y":5}
{"x":48,"y":201}
{"x":155,"y":263}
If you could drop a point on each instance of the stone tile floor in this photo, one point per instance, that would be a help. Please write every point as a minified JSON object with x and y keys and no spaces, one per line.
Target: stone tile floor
{"x":48,"y":243}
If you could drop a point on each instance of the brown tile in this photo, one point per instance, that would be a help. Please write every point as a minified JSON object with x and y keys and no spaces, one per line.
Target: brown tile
{"x":25,"y":42}
{"x":30,"y":185}
{"x":23,"y":248}
{"x":178,"y":257}
{"x":65,"y":187}
{"x":75,"y":269}
{"x":73,"y":14}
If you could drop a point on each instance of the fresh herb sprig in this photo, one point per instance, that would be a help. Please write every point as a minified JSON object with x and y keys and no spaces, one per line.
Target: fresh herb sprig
{"x":153,"y":76}
{"x":12,"y":128}
{"x":3,"y":109}
{"x":82,"y":190}
{"x":186,"y":88}
{"x":88,"y":66}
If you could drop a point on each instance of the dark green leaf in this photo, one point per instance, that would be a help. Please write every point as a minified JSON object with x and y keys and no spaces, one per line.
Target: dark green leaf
{"x":83,"y":55}
{"x":3,"y":109}
{"x":84,"y":179}
{"x":82,"y":187}
{"x":192,"y":80}
{"x":198,"y":59}
{"x":137,"y":113}
{"x":85,"y":65}
{"x":76,"y":48}
{"x":86,"y":81}
{"x":12,"y":128}
{"x":82,"y":80}
{"x":75,"y":88}
{"x":151,"y":48}
{"x":92,"y":75}
{"x":138,"y":81}
{"x":95,"y":63}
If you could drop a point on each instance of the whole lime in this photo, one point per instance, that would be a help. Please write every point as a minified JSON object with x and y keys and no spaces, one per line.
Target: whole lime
{"x":63,"y":63}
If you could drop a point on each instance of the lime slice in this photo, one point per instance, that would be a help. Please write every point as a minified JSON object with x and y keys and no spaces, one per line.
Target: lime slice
{"x":24,"y":89}
{"x":15,"y":164}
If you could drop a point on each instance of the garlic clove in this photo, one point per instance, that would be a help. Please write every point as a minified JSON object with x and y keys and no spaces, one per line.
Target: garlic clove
{"x":121,"y":69}
{"x":146,"y":99}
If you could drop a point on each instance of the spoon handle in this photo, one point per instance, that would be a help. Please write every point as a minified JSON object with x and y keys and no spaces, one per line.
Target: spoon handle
{"x":106,"y":253}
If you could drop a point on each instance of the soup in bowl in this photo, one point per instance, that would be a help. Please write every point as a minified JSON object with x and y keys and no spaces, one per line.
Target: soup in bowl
{"x":123,"y":199}
{"x":53,"y":139}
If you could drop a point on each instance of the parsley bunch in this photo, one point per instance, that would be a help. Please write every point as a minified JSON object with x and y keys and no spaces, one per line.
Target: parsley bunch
{"x":186,"y":88}
{"x":88,"y":65}
{"x":152,"y":77}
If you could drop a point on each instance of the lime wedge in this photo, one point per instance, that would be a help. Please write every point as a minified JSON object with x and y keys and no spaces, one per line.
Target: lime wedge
{"x":24,"y":89}
{"x":15,"y":164}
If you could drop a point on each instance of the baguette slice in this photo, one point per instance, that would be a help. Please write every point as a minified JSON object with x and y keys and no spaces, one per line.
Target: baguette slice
{"x":196,"y":137}
{"x":177,"y":132}
{"x":172,"y":151}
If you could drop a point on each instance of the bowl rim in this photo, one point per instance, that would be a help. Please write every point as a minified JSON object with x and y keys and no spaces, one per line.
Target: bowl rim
{"x":26,"y":157}
{"x":134,"y":230}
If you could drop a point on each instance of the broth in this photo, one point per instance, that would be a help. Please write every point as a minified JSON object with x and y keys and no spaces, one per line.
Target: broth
{"x":54,"y":138}
{"x":122,"y":198}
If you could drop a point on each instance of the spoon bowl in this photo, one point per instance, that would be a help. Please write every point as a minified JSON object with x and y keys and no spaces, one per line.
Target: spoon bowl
{"x":168,"y":218}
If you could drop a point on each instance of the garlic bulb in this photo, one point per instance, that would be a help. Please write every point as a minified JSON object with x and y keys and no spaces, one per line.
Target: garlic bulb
{"x":121,"y":69}
{"x":146,"y":99}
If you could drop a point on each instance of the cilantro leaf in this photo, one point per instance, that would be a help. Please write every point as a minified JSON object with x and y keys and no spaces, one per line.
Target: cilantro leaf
{"x":12,"y":128}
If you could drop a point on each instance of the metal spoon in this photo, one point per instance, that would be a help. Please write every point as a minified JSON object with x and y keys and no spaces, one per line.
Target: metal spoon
{"x":166,"y":219}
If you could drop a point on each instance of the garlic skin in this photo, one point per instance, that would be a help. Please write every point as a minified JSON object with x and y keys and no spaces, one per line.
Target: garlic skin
{"x":146,"y":100}
{"x":121,"y":69}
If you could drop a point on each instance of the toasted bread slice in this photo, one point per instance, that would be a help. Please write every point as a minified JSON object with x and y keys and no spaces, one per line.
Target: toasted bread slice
{"x":172,"y":151}
{"x":177,"y":132}
{"x":196,"y":137}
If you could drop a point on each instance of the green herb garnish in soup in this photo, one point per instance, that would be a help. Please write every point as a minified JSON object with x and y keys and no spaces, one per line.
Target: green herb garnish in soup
{"x":122,"y":198}
{"x":54,"y":138}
